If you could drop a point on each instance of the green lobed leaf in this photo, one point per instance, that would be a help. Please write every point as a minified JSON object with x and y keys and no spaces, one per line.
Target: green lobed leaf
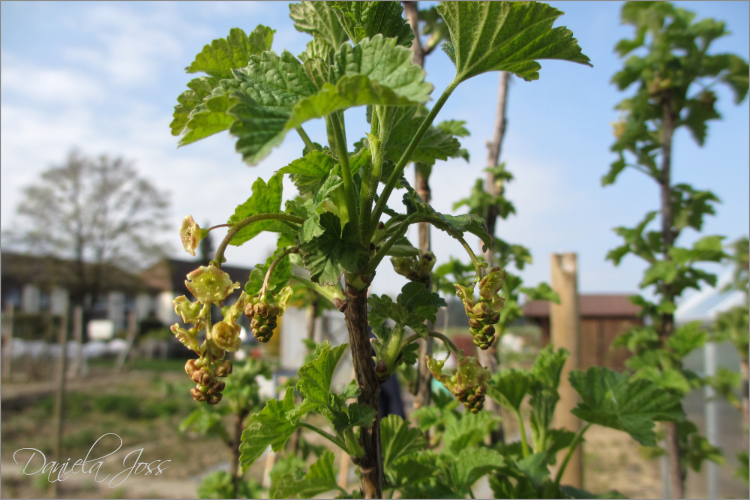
{"x":266,"y":199}
{"x":399,"y":440}
{"x":509,"y":387}
{"x":315,"y":377}
{"x":412,"y":469}
{"x":320,"y":20}
{"x":548,"y":366}
{"x":269,"y":427}
{"x":319,"y":479}
{"x":686,"y":338}
{"x":610,"y":399}
{"x":266,"y":91}
{"x":436,"y":144}
{"x":469,"y":431}
{"x":557,"y":440}
{"x":328,"y":256}
{"x":535,"y":468}
{"x":308,"y":172}
{"x":472,"y":463}
{"x":209,"y":117}
{"x":454,"y":127}
{"x":506,"y":36}
{"x":367,"y":19}
{"x":200,"y":88}
{"x":349,"y":91}
{"x":225,"y":54}
{"x":384,"y":62}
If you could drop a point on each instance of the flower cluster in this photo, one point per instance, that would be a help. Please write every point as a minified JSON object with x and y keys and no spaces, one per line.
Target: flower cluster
{"x":208,"y":388}
{"x":265,"y":311}
{"x":468,"y":382}
{"x":485,"y":311}
{"x":210,"y":285}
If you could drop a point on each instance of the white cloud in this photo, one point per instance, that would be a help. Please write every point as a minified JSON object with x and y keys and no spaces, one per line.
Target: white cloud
{"x":132,"y":49}
{"x":56,"y":86}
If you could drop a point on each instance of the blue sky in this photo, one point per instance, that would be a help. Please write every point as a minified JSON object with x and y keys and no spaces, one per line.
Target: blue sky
{"x":104,"y":76}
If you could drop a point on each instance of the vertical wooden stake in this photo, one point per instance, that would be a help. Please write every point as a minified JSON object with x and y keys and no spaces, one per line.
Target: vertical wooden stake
{"x":75,"y":367}
{"x":8,"y":352}
{"x":270,"y":459}
{"x":131,"y":336}
{"x":344,"y":470}
{"x":565,"y":332}
{"x":59,"y":397}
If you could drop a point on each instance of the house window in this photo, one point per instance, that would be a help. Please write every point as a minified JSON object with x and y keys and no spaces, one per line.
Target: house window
{"x":12,"y":295}
{"x":100,"y":306}
{"x":44,"y":300}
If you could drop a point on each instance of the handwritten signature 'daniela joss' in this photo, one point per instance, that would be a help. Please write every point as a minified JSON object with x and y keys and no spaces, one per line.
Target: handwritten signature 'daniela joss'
{"x":60,"y":471}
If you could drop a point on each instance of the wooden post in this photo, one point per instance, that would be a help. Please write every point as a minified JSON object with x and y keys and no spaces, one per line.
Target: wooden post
{"x":270,"y":459}
{"x":566,"y":332}
{"x":344,"y":469}
{"x":131,"y":336}
{"x":75,"y":367}
{"x":8,"y":352}
{"x":59,"y":397}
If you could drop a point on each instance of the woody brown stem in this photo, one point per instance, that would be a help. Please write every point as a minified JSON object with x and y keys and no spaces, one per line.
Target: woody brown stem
{"x":666,"y":323}
{"x":235,"y":469}
{"x":371,"y":463}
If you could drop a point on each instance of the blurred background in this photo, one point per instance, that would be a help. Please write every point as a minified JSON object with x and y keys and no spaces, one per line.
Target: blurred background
{"x":88,"y":91}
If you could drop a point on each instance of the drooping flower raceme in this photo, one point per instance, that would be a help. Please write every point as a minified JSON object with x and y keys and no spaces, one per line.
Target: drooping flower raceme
{"x":485,"y":311}
{"x":468,"y":382}
{"x":210,"y":285}
{"x":265,"y":311}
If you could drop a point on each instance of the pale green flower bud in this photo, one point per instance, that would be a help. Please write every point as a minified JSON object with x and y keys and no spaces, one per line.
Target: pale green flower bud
{"x":188,"y":311}
{"x":210,"y":284}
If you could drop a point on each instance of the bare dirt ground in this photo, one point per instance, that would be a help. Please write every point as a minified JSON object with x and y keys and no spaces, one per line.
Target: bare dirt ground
{"x":612,"y":460}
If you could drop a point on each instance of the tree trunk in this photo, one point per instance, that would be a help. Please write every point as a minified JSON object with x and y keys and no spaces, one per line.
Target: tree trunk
{"x":488,"y":358}
{"x":493,"y":156}
{"x":666,"y":326}
{"x":371,"y":464}
{"x":235,"y":471}
{"x":745,"y":402}
{"x":59,"y":398}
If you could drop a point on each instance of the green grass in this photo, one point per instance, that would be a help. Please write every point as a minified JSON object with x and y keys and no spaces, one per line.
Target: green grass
{"x":160,"y":365}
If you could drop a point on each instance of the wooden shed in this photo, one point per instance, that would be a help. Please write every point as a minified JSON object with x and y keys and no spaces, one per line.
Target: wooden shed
{"x":603,"y":317}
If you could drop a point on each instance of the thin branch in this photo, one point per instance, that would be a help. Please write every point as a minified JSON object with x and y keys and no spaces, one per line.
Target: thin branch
{"x":398,"y":170}
{"x":273,"y":265}
{"x":448,"y":342}
{"x":306,"y":139}
{"x":338,"y":442}
{"x":346,"y":173}
{"x":331,"y":292}
{"x":375,"y":261}
{"x":571,"y":449}
{"x":219,"y":256}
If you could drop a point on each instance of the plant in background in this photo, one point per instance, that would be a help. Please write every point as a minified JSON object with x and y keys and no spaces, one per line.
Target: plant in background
{"x":674,"y":80}
{"x":359,"y":56}
{"x":241,"y":399}
{"x":733,"y":326}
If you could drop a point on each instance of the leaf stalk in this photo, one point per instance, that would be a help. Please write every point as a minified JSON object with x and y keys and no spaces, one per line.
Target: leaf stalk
{"x":346,"y":173}
{"x":398,"y":171}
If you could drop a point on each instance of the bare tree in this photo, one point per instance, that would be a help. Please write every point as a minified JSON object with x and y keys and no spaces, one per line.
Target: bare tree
{"x":99,"y":213}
